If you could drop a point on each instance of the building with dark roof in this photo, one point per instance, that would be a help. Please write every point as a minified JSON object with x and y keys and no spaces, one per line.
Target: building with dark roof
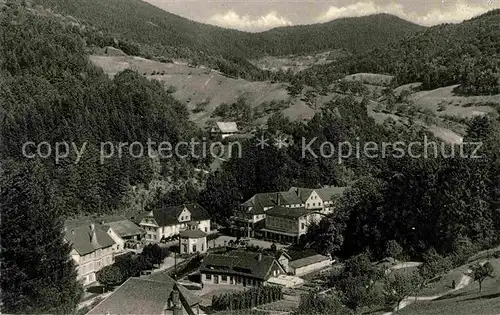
{"x":251,"y":214}
{"x":309,"y":264}
{"x":239,"y":268}
{"x":92,"y":248}
{"x":286,"y":225}
{"x":156,"y":295}
{"x":169,"y":221}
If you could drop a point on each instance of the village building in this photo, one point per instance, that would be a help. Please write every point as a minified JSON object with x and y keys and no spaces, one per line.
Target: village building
{"x":121,"y":231}
{"x":241,"y":268}
{"x":157,"y":294}
{"x":319,"y":200}
{"x":250,"y":215}
{"x":309,"y":264}
{"x":286,"y":225}
{"x":223,"y":130}
{"x":92,"y":248}
{"x":170,"y":221}
{"x":192,"y":240}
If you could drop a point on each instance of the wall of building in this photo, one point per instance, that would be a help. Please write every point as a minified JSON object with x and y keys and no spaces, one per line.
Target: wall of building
{"x":119,"y":245}
{"x":187,"y":244}
{"x":155,"y":233}
{"x":310,"y":268}
{"x":228,"y":280}
{"x":88,"y":265}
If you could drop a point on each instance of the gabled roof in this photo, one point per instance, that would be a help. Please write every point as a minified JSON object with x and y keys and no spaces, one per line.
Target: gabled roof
{"x":227,"y":127}
{"x":121,"y":225}
{"x":325,"y":193}
{"x":170,"y":215}
{"x":81,"y":237}
{"x":264,"y":200}
{"x":239,"y":263}
{"x":284,"y":212}
{"x":142,"y":296}
{"x":308,"y":261}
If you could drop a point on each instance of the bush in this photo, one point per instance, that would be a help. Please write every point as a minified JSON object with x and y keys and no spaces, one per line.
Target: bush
{"x":248,"y":299}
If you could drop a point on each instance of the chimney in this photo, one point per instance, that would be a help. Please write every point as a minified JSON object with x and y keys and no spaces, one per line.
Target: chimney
{"x":259,"y":257}
{"x":72,"y":232}
{"x":176,"y":302}
{"x":93,"y":236}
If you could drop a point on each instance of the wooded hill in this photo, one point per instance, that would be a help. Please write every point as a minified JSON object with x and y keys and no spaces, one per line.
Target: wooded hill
{"x":467,"y":53}
{"x":146,"y":24}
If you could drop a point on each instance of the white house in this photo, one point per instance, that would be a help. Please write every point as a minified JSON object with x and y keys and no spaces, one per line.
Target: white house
{"x":192,"y":240}
{"x":319,"y":200}
{"x":224,"y":129}
{"x":92,"y":248}
{"x":170,"y":221}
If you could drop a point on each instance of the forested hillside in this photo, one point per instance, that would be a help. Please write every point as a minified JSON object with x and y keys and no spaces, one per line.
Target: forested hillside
{"x":146,"y":24}
{"x":50,"y":92}
{"x":467,"y":53}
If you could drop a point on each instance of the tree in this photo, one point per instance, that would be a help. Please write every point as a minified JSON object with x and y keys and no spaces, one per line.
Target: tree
{"x":155,"y":253}
{"x":318,"y":304}
{"x":356,"y":281}
{"x":393,"y":249}
{"x":479,"y":272}
{"x":38,"y":274}
{"x":110,"y":276}
{"x":398,"y":287}
{"x":434,"y":264}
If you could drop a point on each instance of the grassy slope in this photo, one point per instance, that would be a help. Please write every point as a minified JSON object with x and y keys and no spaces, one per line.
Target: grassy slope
{"x":467,"y":301}
{"x":144,"y":23}
{"x":196,"y":85}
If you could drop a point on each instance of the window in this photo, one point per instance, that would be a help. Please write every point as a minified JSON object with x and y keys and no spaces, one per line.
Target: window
{"x":194,"y":248}
{"x":206,"y":229}
{"x":224,"y":278}
{"x":303,"y":226}
{"x":208,"y":276}
{"x":202,"y":247}
{"x":185,"y":248}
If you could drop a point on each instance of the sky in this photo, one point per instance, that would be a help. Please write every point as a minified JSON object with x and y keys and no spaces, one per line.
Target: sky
{"x":260,"y":15}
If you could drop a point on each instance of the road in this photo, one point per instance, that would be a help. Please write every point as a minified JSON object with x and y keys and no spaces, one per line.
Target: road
{"x":464,"y":281}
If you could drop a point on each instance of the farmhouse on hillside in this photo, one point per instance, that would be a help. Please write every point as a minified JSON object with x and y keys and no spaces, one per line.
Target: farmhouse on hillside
{"x":224,"y":129}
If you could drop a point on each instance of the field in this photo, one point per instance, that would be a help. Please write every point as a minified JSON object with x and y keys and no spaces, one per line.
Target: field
{"x":197,"y":85}
{"x":445,"y":102}
{"x":371,"y":78}
{"x":466,"y":301}
{"x":296,"y":63}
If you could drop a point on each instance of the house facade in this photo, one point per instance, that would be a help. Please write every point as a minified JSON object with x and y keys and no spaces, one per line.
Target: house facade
{"x":170,"y":221}
{"x":287,"y":225}
{"x":192,"y":241}
{"x":92,"y":249}
{"x":250,"y":215}
{"x":240,"y":268}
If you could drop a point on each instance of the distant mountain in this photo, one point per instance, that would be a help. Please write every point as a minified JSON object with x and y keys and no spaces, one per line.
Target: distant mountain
{"x":467,"y":54}
{"x":144,"y":23}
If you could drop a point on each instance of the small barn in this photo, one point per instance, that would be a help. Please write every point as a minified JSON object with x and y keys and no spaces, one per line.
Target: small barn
{"x":224,"y":129}
{"x":309,"y":264}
